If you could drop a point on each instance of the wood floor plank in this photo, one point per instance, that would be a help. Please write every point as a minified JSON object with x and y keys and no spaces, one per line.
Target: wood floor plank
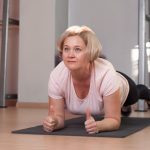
{"x":13,"y":118}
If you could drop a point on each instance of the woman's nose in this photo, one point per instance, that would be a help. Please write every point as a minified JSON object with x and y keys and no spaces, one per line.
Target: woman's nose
{"x":71,"y":53}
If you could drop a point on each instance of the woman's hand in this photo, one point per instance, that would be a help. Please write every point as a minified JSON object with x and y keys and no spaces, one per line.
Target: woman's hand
{"x":50,"y":123}
{"x":56,"y":115}
{"x":90,"y":123}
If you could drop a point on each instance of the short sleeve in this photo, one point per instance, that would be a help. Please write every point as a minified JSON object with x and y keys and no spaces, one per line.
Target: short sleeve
{"x":110,"y":83}
{"x":57,"y":81}
{"x":54,"y":89}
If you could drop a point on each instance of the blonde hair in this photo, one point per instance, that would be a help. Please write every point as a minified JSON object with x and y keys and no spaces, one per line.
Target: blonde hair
{"x":89,"y":37}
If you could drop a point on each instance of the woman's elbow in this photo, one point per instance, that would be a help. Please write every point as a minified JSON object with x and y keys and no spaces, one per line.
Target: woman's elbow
{"x":117,"y":124}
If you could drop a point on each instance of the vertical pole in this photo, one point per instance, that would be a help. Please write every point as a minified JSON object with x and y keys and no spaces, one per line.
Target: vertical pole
{"x":149,"y":41}
{"x":4,"y":48}
{"x":142,"y":49}
{"x":149,"y":21}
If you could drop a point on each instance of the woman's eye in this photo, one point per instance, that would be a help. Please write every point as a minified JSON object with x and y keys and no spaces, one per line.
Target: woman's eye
{"x":77,"y":49}
{"x":66,"y":49}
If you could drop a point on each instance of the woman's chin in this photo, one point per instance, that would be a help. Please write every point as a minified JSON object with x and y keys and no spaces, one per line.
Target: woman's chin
{"x":72,"y":67}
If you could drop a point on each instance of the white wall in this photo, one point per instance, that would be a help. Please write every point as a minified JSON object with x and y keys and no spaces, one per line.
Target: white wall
{"x":36,"y":50}
{"x":41,"y":21}
{"x":61,"y":17}
{"x":115,"y":23}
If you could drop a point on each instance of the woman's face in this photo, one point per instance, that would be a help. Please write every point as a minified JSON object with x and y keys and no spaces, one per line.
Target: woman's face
{"x":74,"y":53}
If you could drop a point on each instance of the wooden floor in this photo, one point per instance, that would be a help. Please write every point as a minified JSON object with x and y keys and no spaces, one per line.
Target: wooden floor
{"x":13,"y":118}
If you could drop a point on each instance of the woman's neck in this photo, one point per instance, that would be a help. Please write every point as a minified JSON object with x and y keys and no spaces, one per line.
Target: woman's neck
{"x":82,"y":75}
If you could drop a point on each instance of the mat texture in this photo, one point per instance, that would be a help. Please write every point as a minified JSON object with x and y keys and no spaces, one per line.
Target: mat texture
{"x":75,"y":127}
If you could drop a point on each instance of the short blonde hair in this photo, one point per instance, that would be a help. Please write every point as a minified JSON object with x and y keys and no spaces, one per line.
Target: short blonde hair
{"x":89,"y":37}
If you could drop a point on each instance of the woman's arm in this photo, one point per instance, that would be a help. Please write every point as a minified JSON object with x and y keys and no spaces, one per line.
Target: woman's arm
{"x":56,"y":115}
{"x":112,"y":111}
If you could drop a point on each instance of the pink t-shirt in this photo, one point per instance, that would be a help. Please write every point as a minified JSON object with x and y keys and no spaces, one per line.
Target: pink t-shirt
{"x":104,"y":81}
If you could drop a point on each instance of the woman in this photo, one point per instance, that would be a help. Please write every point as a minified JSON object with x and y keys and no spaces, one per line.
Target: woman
{"x":87,"y":84}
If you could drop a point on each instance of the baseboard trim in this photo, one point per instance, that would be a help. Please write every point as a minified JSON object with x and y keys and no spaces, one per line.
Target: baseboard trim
{"x":11,"y":102}
{"x":31,"y":105}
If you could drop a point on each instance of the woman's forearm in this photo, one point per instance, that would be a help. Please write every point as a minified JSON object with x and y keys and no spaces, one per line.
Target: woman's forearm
{"x":108,"y":124}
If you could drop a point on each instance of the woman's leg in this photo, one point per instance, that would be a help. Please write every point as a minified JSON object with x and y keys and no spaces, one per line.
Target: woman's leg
{"x":133,"y":95}
{"x":143,"y":92}
{"x":136,"y":92}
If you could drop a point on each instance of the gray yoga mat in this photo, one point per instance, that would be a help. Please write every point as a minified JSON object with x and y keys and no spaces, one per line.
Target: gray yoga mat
{"x":75,"y":127}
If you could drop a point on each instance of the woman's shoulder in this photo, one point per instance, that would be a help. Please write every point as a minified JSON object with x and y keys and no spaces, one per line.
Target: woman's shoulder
{"x":61,"y":66}
{"x":103,"y":65}
{"x":60,"y":71}
{"x":104,"y":70}
{"x":105,"y":76}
